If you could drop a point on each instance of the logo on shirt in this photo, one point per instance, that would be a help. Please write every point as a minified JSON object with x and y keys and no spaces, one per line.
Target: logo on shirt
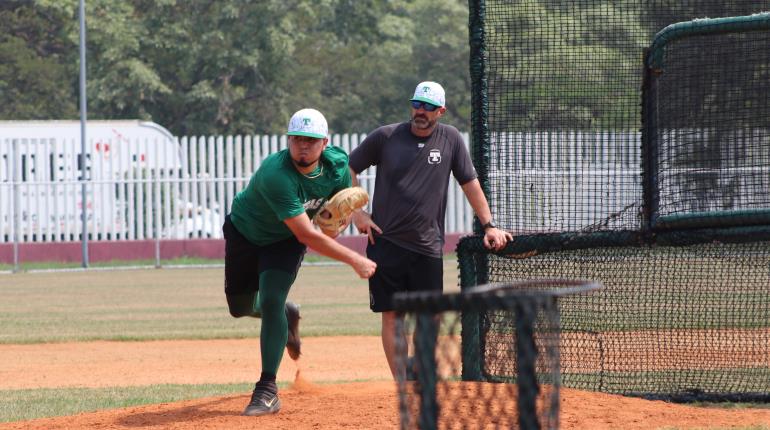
{"x":434,"y":157}
{"x":313,"y":205}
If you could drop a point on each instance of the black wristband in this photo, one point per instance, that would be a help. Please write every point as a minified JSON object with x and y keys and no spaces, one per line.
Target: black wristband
{"x":488,"y":225}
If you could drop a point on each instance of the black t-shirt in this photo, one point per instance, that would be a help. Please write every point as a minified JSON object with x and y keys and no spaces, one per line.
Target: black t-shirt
{"x":410,"y":190}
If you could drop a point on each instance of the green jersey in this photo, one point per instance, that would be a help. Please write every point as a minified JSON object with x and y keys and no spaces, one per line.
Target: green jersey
{"x":277,"y":191}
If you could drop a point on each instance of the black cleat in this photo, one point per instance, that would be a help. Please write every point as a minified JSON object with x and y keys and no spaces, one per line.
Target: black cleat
{"x":293,"y":343}
{"x":263,"y":402}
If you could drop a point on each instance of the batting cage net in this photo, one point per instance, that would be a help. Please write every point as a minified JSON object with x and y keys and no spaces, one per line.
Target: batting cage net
{"x":662,"y":198}
{"x":707,"y":123}
{"x":521,"y":325}
{"x":676,"y":320}
{"x":556,"y":106}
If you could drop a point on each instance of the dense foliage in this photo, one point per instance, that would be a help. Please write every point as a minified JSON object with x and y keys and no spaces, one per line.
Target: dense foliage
{"x":233,"y":66}
{"x":242,"y":66}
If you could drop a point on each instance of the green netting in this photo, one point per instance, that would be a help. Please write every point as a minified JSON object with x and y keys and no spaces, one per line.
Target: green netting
{"x":557,"y":118}
{"x":707,"y":123}
{"x":556,"y":106}
{"x":680,"y":321}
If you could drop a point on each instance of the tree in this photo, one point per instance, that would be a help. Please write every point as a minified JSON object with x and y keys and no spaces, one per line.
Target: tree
{"x":37,"y":75}
{"x":237,"y":66}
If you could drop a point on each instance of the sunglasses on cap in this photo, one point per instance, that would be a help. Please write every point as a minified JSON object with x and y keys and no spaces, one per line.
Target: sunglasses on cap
{"x":427,"y":107}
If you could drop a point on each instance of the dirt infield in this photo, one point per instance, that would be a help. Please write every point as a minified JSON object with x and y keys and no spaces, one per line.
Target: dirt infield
{"x":328,"y":394}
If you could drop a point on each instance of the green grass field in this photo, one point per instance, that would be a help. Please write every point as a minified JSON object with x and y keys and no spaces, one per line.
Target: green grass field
{"x":151,"y":304}
{"x":180,"y":303}
{"x":20,"y":405}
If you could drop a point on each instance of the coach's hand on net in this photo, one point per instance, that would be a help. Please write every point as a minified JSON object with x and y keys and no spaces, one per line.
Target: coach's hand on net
{"x":496,"y":239}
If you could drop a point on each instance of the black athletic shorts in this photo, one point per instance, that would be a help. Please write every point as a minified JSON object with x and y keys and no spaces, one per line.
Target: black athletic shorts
{"x":400,"y":270}
{"x":244,"y":261}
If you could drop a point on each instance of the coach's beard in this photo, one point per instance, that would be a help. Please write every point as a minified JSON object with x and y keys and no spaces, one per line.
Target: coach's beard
{"x":422,"y":122}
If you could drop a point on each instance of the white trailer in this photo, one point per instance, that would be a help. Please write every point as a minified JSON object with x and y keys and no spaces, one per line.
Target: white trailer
{"x":41,"y":169}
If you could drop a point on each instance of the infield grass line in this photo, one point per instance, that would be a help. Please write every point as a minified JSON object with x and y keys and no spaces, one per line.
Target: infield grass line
{"x":23,"y":405}
{"x":174,"y":263}
{"x":28,"y":404}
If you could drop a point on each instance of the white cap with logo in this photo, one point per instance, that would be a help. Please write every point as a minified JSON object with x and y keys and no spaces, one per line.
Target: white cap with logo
{"x":308,"y":122}
{"x":429,"y":92}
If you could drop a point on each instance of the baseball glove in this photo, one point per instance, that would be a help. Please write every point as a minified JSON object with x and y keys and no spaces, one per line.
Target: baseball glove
{"x":333,"y":216}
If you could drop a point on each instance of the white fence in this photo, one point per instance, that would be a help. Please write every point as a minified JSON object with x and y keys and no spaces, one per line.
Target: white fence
{"x":176,"y":188}
{"x":565,"y":180}
{"x":143,"y":188}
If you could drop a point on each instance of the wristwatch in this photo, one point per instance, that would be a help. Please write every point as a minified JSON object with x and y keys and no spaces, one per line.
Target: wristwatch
{"x":488,"y":225}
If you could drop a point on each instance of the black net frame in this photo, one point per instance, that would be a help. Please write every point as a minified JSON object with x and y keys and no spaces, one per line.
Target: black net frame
{"x":706,"y":134}
{"x":431,"y":392}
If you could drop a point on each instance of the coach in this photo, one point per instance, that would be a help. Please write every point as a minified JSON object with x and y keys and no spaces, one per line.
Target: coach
{"x":406,"y":227}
